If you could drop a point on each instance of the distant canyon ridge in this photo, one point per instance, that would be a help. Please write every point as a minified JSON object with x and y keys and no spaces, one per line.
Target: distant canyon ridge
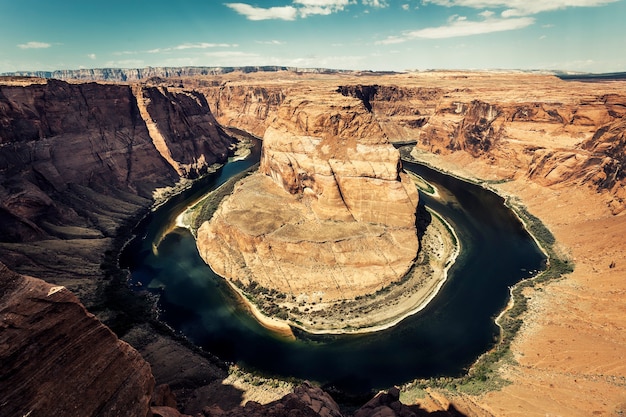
{"x":81,"y":162}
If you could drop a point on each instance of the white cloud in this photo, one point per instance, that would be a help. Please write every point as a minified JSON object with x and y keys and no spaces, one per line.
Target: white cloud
{"x":259,"y":13}
{"x":376,"y":3}
{"x":464,"y":27}
{"x":405,"y":7}
{"x":91,"y":56}
{"x":228,"y":54}
{"x":321,"y":7}
{"x":516,"y":8}
{"x":460,"y":26}
{"x":204,"y":45}
{"x":300,"y":8}
{"x":198,"y":45}
{"x":34,"y":45}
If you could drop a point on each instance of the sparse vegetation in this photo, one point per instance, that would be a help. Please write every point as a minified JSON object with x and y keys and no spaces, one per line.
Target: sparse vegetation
{"x":205,"y":208}
{"x":483,"y":375}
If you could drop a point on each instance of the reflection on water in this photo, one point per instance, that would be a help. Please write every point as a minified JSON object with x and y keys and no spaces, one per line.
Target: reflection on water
{"x":443,"y":339}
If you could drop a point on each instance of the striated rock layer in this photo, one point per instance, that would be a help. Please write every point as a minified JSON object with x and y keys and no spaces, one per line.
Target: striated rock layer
{"x":329,"y":216}
{"x":77,"y":161}
{"x":78,"y":166}
{"x":57,"y":359}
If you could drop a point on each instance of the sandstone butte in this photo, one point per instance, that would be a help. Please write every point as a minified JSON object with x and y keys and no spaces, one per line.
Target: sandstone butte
{"x":557,"y":147}
{"x":329,"y":216}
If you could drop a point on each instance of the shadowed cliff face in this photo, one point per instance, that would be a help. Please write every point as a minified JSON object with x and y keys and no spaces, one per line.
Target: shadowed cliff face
{"x":78,"y":164}
{"x":78,"y":160}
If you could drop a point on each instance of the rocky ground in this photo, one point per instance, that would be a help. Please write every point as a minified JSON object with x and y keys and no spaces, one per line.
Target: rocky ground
{"x":371,"y":312}
{"x":561,"y":155}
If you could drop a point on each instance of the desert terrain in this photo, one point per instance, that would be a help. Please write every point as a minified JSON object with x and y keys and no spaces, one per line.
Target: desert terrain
{"x":554,"y":147}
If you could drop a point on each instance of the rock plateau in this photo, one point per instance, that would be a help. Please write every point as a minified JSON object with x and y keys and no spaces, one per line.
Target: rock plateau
{"x":329,"y":216}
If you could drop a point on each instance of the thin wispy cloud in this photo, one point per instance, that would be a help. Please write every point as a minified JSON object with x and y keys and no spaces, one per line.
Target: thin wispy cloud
{"x":91,"y":56}
{"x":223,"y":54}
{"x":185,"y":46}
{"x":459,"y":26}
{"x":516,"y":8}
{"x":204,"y":45}
{"x":512,"y":15}
{"x":34,"y":45}
{"x":272,"y":42}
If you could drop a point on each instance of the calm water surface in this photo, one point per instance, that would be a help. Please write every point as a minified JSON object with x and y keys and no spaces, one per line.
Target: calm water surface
{"x":443,"y":339}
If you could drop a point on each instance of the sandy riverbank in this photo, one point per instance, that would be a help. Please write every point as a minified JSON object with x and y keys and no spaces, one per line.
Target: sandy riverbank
{"x":380,"y":311}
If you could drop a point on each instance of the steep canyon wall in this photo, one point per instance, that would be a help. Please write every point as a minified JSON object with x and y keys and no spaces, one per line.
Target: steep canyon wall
{"x":78,"y":164}
{"x":527,"y":126}
{"x":78,"y":160}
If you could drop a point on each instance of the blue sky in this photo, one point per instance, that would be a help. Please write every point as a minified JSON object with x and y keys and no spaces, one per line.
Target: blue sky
{"x":572,"y":35}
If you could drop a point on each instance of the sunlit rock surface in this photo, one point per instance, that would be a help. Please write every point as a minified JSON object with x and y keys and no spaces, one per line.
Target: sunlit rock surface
{"x":329,"y":215}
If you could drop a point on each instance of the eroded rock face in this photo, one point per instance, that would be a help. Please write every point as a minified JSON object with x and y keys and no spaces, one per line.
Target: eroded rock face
{"x":329,"y":216}
{"x":57,"y":359}
{"x":525,"y":125}
{"x":78,"y":161}
{"x":78,"y":164}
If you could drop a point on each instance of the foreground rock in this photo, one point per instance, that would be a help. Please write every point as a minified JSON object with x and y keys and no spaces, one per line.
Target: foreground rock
{"x":57,"y":359}
{"x":329,"y":216}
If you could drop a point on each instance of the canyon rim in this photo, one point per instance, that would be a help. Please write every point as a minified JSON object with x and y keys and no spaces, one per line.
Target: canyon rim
{"x":554,"y":147}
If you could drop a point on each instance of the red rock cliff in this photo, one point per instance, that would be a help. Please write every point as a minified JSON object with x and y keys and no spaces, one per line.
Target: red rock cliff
{"x":57,"y":359}
{"x":79,"y":160}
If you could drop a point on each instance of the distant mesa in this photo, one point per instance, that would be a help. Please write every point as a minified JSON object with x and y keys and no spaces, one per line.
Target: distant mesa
{"x":139,"y":74}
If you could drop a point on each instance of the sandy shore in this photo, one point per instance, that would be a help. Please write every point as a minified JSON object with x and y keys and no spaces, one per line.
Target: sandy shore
{"x":439,"y":249}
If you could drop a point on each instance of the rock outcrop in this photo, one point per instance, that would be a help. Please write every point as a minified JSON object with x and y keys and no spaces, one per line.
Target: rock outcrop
{"x":58,"y":359}
{"x":78,"y":161}
{"x":305,"y":401}
{"x":330,"y":215}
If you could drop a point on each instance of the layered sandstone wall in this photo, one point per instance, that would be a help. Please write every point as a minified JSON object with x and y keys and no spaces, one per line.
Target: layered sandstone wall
{"x":329,"y":216}
{"x":246,"y":107}
{"x":77,"y":161}
{"x":526,"y":125}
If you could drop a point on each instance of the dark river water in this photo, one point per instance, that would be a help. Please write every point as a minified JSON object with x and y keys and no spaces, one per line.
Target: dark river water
{"x":443,"y":339}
